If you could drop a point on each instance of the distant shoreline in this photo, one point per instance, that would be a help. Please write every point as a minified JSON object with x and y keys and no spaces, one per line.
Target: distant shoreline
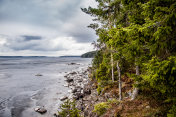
{"x":36,"y":56}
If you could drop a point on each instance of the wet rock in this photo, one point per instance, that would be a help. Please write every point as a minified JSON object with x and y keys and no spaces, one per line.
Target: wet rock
{"x":79,"y":90}
{"x":38,"y":75}
{"x":63,"y":98}
{"x":55,"y":115}
{"x":79,"y":80}
{"x":40,"y":110}
{"x":65,"y":85}
{"x":71,"y":84}
{"x":78,"y":95}
{"x":72,"y":73}
{"x":78,"y":87}
{"x":74,"y":90}
{"x":72,"y":64}
{"x":69,"y":80}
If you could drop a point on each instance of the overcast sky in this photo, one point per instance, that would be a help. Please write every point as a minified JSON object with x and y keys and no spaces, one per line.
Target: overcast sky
{"x":45,"y":27}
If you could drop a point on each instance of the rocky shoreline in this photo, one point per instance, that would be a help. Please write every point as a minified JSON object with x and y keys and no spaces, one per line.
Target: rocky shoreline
{"x":83,"y":90}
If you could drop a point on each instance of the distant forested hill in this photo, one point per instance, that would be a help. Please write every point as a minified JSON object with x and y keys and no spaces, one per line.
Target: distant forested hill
{"x":89,"y":54}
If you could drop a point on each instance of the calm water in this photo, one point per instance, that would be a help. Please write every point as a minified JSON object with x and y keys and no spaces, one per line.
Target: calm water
{"x":21,"y":90}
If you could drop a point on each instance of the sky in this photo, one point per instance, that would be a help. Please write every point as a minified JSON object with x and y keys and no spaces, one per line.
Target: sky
{"x":45,"y":27}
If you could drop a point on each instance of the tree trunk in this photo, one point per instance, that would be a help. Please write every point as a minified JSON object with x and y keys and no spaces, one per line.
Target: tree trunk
{"x":112,"y":65}
{"x":120,"y":83}
{"x":135,"y":91}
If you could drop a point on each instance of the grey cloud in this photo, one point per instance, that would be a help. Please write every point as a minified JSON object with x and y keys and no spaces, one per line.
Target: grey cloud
{"x":83,"y":37}
{"x":28,"y":37}
{"x":33,"y":24}
{"x":48,"y":13}
{"x":39,"y":12}
{"x":40,"y":44}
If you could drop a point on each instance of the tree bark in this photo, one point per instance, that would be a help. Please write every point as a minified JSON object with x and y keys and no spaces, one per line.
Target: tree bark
{"x":120,"y":83}
{"x":135,"y":91}
{"x":112,"y":65}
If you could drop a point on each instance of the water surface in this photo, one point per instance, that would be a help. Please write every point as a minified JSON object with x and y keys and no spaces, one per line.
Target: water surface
{"x":21,"y":90}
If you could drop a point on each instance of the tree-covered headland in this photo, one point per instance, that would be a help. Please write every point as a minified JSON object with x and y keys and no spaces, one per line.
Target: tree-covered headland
{"x":136,"y":41}
{"x":89,"y":54}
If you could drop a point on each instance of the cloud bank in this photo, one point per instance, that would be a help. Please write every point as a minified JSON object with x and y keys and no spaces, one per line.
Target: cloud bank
{"x":45,"y":27}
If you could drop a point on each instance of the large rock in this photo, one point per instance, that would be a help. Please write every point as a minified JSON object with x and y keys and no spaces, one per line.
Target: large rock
{"x":74,"y":90}
{"x":40,"y":110}
{"x":87,"y":91}
{"x":72,"y":73}
{"x":73,"y":64}
{"x":79,"y":80}
{"x":38,"y":75}
{"x":69,"y":80}
{"x":63,"y":98}
{"x":78,"y":95}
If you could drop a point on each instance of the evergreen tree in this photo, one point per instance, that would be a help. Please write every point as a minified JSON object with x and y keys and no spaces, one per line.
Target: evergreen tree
{"x":138,"y":35}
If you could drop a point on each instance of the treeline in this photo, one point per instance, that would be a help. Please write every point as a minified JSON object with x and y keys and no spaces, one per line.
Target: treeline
{"x":89,"y":54}
{"x":137,"y":38}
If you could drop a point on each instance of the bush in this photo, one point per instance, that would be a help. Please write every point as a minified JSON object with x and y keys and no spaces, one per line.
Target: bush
{"x":113,"y":101}
{"x":161,"y":75}
{"x":68,"y":109}
{"x":101,"y":108}
{"x":172,"y":112}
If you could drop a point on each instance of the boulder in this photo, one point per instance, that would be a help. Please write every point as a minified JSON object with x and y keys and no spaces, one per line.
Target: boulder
{"x":79,"y":80}
{"x":78,"y":89}
{"x":40,"y":110}
{"x":74,"y":90}
{"x":73,"y":64}
{"x":69,"y":80}
{"x":72,"y":73}
{"x":63,"y":98}
{"x":38,"y":75}
{"x":78,"y":95}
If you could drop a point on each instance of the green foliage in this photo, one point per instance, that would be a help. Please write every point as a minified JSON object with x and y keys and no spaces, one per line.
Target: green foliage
{"x":89,"y":54}
{"x":161,"y":75}
{"x":113,"y":101}
{"x":172,"y":111}
{"x":102,"y":73}
{"x":98,"y":58}
{"x":138,"y":33}
{"x":101,"y":108}
{"x":68,"y":109}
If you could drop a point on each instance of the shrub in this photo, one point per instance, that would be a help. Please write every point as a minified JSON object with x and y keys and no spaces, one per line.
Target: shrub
{"x":68,"y":109}
{"x":101,"y":108}
{"x":113,"y":101}
{"x":161,"y":75}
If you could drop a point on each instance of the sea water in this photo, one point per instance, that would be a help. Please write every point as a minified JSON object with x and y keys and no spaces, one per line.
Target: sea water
{"x":21,"y":90}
